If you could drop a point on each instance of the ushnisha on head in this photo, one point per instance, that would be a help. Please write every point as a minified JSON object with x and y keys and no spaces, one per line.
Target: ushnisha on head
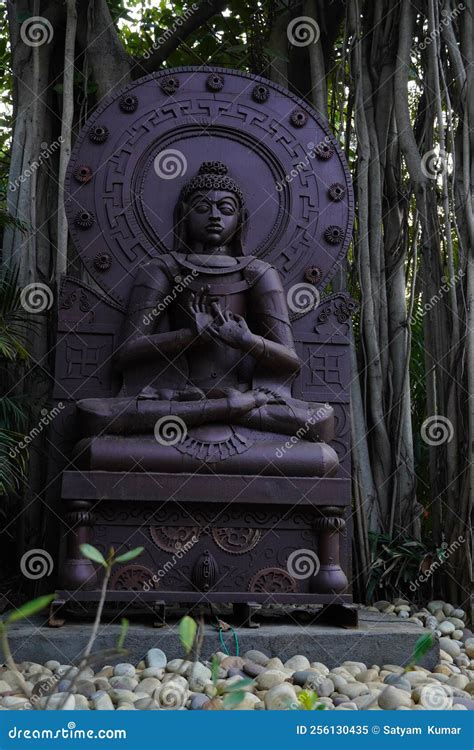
{"x":210,"y":215}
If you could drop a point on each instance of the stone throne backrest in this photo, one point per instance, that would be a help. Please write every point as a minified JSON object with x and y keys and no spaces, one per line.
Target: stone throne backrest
{"x":124,"y":177}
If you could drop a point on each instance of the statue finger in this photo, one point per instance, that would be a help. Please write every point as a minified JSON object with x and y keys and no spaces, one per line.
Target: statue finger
{"x":191,"y":302}
{"x":217,"y":309}
{"x":199,"y":297}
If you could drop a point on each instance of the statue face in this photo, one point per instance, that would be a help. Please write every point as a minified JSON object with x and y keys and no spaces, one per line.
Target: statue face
{"x":211,"y":217}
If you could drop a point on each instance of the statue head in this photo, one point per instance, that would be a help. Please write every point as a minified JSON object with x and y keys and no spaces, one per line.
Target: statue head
{"x":210,"y":214}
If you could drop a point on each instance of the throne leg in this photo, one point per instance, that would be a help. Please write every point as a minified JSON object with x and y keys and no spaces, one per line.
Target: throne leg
{"x":244,"y":614}
{"x":342,"y":615}
{"x":77,"y":571}
{"x":159,"y":614}
{"x":56,"y":609}
{"x":330,"y":578}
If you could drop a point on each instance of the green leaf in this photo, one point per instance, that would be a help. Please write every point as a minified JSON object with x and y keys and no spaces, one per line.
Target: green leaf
{"x":187,"y":632}
{"x":129,"y":555}
{"x":245,"y":682}
{"x":308,"y":699}
{"x":123,"y":632}
{"x":93,"y":554}
{"x":424,"y":644}
{"x":30,"y":608}
{"x":233,"y":699}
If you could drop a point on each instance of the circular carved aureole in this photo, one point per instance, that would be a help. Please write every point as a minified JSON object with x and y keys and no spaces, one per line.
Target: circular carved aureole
{"x":133,"y":206}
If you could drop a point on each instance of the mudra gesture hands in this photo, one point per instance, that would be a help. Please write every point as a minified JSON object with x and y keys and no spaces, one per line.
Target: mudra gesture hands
{"x":210,"y":321}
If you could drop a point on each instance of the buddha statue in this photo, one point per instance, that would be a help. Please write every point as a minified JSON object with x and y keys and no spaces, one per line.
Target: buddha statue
{"x":207,"y":348}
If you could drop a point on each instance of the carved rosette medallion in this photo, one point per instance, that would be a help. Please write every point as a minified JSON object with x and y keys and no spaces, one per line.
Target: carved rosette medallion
{"x":98,"y":134}
{"x":83,"y":173}
{"x":128,"y":103}
{"x":215,"y":82}
{"x":273,"y":581}
{"x":236,"y":541}
{"x":174,"y":538}
{"x":132,"y":578}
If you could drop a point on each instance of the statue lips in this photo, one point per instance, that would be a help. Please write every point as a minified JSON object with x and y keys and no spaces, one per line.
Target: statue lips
{"x":216,"y":228}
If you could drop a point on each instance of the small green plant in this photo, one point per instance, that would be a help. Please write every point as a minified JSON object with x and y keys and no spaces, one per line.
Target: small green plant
{"x":395,"y":564}
{"x":14,"y":326}
{"x":308,"y":700}
{"x":424,"y":644}
{"x":93,"y":554}
{"x":187,"y":633}
{"x":27,"y":610}
{"x":224,"y":696}
{"x":231,"y":695}
{"x":31,"y":608}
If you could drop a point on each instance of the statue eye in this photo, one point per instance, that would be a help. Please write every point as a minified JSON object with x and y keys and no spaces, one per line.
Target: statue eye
{"x":201,"y":208}
{"x":227,"y":209}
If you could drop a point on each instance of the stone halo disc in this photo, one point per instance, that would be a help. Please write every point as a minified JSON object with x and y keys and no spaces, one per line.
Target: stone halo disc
{"x":142,"y":145}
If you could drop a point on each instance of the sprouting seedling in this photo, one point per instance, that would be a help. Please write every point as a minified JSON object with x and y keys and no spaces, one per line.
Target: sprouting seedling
{"x":27,"y":610}
{"x":308,"y":700}
{"x":232,"y":694}
{"x":124,"y":623}
{"x":92,"y":553}
{"x":424,"y":644}
{"x":187,"y":632}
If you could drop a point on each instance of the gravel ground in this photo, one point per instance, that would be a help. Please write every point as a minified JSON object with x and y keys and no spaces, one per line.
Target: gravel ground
{"x":269,"y":684}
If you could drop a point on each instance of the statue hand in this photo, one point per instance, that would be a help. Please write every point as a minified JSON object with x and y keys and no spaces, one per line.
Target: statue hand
{"x":201,"y":311}
{"x":231,"y":328}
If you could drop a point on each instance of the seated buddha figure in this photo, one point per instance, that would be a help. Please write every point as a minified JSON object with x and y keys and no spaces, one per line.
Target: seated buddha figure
{"x":207,"y":349}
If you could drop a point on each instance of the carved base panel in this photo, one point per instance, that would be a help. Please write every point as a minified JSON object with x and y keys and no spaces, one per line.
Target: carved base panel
{"x":219,"y":551}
